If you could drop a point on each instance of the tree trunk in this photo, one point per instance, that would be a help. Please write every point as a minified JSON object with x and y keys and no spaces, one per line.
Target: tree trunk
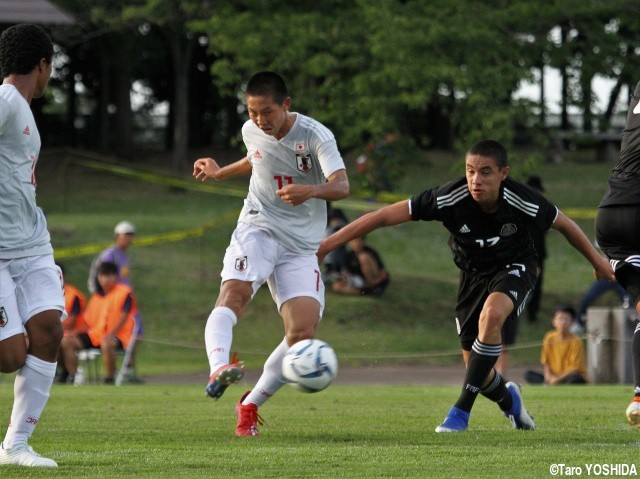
{"x":564,"y":32}
{"x":124,"y":114}
{"x":181,"y":53}
{"x":587,"y":97}
{"x":71,"y":100}
{"x":103,"y":102}
{"x":543,"y":108}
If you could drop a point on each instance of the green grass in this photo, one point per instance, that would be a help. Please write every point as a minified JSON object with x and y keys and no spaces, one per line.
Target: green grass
{"x":360,"y":432}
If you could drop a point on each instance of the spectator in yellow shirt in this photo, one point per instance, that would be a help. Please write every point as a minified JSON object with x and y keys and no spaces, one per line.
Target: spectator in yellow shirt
{"x":563,"y":355}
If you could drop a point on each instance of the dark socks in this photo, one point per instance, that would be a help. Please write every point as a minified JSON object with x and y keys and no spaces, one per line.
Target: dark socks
{"x":636,"y":359}
{"x":497,"y":392}
{"x":481,"y":361}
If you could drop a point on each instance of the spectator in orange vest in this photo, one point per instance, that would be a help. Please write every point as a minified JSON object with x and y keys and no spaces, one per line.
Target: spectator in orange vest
{"x":111,"y":319}
{"x":74,"y":303}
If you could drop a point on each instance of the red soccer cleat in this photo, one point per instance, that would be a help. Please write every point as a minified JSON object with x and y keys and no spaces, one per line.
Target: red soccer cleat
{"x":225,"y":375}
{"x":248,"y":418}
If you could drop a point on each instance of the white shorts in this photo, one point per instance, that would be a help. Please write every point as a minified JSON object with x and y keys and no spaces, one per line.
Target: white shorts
{"x":28,"y":286}
{"x":256,"y":257}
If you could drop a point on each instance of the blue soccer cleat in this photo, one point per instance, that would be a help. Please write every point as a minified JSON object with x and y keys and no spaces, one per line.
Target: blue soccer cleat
{"x":518,"y":415}
{"x":224,"y":376}
{"x":457,"y":420}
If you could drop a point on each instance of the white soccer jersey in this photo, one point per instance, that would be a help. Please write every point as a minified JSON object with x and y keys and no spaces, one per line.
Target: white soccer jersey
{"x":307,"y":155}
{"x":23,"y":228}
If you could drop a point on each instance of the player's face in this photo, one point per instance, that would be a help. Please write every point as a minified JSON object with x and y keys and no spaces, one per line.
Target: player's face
{"x":44,"y":70}
{"x":123,"y":241}
{"x":484,"y":178}
{"x":269,"y":116}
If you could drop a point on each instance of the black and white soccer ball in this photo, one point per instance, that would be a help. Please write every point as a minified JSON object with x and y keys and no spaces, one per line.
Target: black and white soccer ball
{"x":310,"y":365}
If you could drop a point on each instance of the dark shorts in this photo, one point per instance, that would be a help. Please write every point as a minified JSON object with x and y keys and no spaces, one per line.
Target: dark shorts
{"x":378,"y":289}
{"x":516,"y":280}
{"x":618,"y":235}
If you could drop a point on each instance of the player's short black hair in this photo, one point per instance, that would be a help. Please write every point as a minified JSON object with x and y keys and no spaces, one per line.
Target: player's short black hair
{"x":268,"y":84}
{"x":108,"y":268}
{"x":490,"y":149}
{"x":568,"y":309}
{"x":22,"y":47}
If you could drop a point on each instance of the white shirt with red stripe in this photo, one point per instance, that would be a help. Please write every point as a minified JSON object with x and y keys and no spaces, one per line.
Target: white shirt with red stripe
{"x":307,"y":155}
{"x":23,"y":227}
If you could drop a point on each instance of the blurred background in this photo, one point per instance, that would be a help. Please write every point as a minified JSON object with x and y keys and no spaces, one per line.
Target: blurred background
{"x":141,"y":88}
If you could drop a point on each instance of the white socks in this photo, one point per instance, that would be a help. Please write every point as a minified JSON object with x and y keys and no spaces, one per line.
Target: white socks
{"x":31,"y":392}
{"x":271,"y":379}
{"x":218,"y":335}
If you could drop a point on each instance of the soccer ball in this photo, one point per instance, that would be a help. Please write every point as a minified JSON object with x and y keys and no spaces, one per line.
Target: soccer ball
{"x":310,"y":365}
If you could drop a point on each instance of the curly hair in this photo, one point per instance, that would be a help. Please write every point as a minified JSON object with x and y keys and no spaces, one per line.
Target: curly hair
{"x":21,"y":49}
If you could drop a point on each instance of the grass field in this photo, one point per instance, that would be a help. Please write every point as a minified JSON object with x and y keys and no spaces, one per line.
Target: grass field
{"x":363,"y":432}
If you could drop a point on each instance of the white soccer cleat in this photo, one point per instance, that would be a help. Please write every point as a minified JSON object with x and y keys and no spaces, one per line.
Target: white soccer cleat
{"x":24,"y":455}
{"x":633,"y":413}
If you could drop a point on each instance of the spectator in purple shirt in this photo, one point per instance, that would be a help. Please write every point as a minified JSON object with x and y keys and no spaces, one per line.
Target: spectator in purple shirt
{"x":124,"y":233}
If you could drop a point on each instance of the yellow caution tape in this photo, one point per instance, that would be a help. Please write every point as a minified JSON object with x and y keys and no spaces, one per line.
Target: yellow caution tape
{"x":148,"y":240}
{"x":379,"y":201}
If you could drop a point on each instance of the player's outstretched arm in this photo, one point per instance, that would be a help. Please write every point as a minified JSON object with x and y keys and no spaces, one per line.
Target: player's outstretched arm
{"x":336,"y":188}
{"x":388,"y":216}
{"x":207,"y":168}
{"x":576,"y":238}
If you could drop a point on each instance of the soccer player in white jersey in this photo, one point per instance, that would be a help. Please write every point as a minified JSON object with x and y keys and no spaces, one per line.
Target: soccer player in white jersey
{"x":31,"y":294}
{"x":295,"y":167}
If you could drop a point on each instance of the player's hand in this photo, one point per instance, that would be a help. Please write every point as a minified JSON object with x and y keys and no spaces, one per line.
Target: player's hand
{"x":205,"y":168}
{"x":603,"y":270}
{"x":295,"y":194}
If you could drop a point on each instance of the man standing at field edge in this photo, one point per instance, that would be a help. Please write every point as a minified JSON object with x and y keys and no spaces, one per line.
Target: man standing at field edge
{"x":491,"y":219}
{"x":617,"y":230}
{"x":295,"y":167}
{"x":31,"y":294}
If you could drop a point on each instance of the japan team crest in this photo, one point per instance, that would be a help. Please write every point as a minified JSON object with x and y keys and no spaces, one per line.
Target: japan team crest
{"x":3,"y":317}
{"x":241,"y":263}
{"x":303,"y":162}
{"x":508,"y":229}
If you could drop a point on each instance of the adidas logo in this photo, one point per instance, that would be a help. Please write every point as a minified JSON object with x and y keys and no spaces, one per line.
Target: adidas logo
{"x":514,"y":294}
{"x":257,"y":155}
{"x":465,"y":229}
{"x":515,"y":272}
{"x":26,"y":131}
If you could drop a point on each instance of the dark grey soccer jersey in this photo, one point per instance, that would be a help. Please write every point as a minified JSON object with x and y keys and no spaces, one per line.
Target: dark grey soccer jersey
{"x":624,"y":185}
{"x":480,"y":242}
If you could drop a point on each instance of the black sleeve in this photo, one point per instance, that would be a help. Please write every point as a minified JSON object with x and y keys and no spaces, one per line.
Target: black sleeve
{"x":75,"y":309}
{"x":424,"y":207}
{"x":128,"y":304}
{"x":540,"y":212}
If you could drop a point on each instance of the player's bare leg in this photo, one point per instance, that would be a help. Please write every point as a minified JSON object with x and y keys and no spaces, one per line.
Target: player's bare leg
{"x":32,"y":385}
{"x":301,"y":316}
{"x":232,"y":301}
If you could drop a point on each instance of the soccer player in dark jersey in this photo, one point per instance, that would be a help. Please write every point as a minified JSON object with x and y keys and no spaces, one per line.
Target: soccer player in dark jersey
{"x":491,"y":218}
{"x":618,"y":229}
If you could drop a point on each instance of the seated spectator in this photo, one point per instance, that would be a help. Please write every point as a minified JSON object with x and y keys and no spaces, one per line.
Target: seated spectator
{"x":597,"y":289}
{"x":111,"y":320}
{"x":364,"y":272}
{"x":563,"y":355}
{"x":74,"y":324}
{"x":334,"y":262}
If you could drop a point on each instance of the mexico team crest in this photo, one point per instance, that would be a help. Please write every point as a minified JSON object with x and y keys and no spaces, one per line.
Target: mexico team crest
{"x":508,"y":229}
{"x":303,"y":162}
{"x":241,"y":263}
{"x":3,"y":317}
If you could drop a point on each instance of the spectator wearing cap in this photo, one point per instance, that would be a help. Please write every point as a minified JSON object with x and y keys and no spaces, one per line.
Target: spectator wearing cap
{"x":563,"y":355}
{"x":124,"y":233}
